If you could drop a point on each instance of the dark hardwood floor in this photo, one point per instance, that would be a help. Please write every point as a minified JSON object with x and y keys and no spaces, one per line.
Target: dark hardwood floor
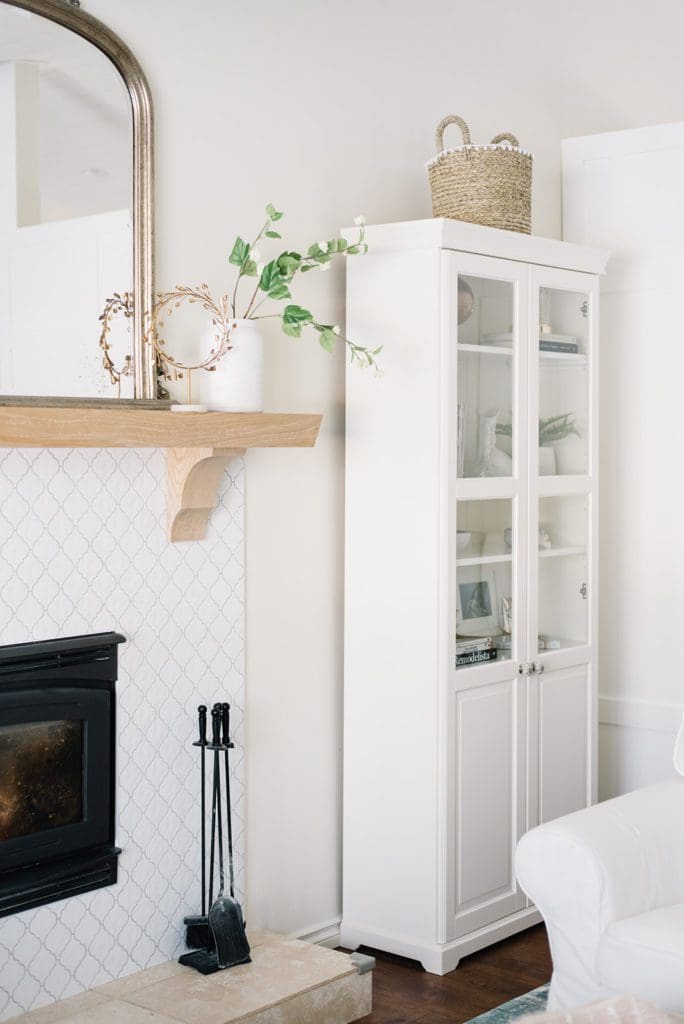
{"x":403,"y":993}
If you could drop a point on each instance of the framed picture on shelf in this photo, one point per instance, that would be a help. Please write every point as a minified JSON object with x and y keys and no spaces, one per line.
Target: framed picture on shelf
{"x":477,"y":610}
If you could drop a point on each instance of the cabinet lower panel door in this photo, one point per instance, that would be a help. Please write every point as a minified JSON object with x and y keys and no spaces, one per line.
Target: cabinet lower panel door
{"x":563,"y":715}
{"x":488,"y":805}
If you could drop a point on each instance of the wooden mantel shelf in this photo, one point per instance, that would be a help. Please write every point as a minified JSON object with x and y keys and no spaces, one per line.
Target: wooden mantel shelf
{"x":30,"y":426}
{"x":199,"y":445}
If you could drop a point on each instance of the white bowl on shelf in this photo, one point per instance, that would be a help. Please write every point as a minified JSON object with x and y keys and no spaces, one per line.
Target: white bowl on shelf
{"x":463,"y":538}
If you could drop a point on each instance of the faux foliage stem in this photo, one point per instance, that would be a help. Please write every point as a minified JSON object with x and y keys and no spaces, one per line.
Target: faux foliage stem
{"x":241,"y":275}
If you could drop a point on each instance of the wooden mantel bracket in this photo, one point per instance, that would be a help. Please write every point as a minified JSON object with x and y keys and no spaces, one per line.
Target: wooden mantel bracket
{"x":199,"y":446}
{"x":193,"y":478}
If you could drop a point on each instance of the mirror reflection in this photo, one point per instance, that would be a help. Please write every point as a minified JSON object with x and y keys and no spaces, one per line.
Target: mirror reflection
{"x":66,"y":233}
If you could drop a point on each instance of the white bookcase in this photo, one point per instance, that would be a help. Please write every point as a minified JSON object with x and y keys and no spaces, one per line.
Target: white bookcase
{"x":446,"y":766}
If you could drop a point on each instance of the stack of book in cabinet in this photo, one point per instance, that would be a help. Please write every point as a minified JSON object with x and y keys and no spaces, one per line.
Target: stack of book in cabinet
{"x":474,"y":650}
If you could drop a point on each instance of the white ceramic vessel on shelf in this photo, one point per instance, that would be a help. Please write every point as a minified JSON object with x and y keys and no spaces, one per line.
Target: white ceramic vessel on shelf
{"x":547,"y":461}
{"x":237,"y":383}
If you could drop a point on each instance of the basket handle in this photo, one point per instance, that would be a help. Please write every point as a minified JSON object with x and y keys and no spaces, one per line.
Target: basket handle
{"x":465,"y":132}
{"x":451,"y":119}
{"x":505,"y":137}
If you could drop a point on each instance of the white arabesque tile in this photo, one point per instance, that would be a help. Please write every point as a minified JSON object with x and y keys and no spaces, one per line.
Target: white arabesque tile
{"x":83,"y":548}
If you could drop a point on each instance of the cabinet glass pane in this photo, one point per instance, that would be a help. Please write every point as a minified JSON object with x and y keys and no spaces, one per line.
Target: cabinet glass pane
{"x":563,"y":572}
{"x":486,"y":317}
{"x":484,"y":567}
{"x":563,"y":382}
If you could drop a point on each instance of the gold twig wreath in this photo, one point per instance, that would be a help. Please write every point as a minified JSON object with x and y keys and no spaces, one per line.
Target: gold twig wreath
{"x":116,"y":305}
{"x":166,"y":305}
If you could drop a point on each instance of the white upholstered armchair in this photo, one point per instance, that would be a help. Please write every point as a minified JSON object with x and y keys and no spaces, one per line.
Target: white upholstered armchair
{"x":609,"y":882}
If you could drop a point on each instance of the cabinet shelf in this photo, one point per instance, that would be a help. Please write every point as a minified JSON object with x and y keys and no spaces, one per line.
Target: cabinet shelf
{"x":566,"y":644}
{"x":492,"y":559}
{"x":500,"y":557}
{"x":198,"y":445}
{"x":567,"y":359}
{"x":563,"y":552}
{"x":562,"y":359}
{"x":486,"y":350}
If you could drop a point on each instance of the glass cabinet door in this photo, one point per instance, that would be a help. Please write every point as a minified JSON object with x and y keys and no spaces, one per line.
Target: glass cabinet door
{"x":562,"y":488}
{"x":563,"y":352}
{"x":485,"y":608}
{"x":563,"y":572}
{"x":487,"y":340}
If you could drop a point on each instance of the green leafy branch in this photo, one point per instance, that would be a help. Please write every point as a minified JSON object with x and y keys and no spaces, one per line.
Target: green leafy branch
{"x":557,"y":428}
{"x":551,"y":430}
{"x":274,"y":280}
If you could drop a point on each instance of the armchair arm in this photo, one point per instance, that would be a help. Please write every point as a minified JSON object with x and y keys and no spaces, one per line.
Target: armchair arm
{"x":611,"y":861}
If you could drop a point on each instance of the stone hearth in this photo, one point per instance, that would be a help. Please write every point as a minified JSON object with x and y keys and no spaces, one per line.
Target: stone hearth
{"x":288,"y":982}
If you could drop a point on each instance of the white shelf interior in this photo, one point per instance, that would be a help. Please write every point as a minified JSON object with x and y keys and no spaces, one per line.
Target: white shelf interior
{"x":484,"y":559}
{"x":485,"y":350}
{"x":506,"y":556}
{"x":574,"y":359}
{"x":565,"y":644}
{"x":562,"y":552}
{"x":563,"y":358}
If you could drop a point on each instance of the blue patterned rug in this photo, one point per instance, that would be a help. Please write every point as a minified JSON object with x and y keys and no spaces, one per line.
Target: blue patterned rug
{"x":531,"y":1002}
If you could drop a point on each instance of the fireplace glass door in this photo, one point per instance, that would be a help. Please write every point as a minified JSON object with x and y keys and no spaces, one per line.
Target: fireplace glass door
{"x":41,"y":777}
{"x":57,"y":769}
{"x":55,"y":779}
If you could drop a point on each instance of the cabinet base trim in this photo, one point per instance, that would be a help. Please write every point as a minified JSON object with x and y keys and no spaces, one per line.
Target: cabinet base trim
{"x":437,"y":958}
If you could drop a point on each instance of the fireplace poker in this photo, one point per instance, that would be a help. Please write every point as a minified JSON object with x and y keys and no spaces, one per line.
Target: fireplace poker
{"x":202,"y":744}
{"x":215,"y":746}
{"x":225,"y":722}
{"x":198,"y":934}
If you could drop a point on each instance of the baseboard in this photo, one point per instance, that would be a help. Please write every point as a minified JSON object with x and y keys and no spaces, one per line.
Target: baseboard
{"x":632,"y":713}
{"x":325,"y":934}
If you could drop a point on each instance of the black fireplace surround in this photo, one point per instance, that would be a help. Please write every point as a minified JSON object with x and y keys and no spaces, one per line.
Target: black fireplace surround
{"x":57,"y":769}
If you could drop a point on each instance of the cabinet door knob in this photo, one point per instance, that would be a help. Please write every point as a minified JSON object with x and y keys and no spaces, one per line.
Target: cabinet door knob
{"x":527,"y":669}
{"x":538,"y":668}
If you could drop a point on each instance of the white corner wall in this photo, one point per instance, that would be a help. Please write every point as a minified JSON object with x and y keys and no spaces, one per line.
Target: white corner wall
{"x":329,"y":110}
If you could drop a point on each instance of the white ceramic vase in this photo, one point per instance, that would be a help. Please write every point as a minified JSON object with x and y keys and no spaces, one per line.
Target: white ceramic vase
{"x":547,"y":461}
{"x":237,"y":383}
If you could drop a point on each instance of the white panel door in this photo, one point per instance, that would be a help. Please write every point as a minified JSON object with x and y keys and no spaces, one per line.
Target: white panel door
{"x":624,"y":190}
{"x":488,"y":808}
{"x":560,"y":762}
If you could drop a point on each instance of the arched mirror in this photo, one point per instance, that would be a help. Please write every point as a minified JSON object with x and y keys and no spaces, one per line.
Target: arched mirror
{"x":76,"y":274}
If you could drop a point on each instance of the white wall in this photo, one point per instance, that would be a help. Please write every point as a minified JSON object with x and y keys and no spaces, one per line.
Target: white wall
{"x":329,"y":110}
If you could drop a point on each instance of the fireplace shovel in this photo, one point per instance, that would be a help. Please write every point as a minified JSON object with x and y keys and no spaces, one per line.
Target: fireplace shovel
{"x":225,"y":914}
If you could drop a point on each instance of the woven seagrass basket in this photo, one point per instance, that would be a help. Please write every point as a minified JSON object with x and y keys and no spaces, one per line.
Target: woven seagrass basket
{"x":490,"y":185}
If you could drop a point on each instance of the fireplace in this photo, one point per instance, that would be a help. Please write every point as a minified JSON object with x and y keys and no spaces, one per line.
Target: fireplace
{"x":57,"y":769}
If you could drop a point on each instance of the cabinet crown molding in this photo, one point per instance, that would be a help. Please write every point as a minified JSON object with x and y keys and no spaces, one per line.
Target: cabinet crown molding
{"x":439,"y":233}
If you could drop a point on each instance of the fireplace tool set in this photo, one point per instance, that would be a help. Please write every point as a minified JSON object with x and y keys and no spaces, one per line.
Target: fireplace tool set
{"x":216,"y":937}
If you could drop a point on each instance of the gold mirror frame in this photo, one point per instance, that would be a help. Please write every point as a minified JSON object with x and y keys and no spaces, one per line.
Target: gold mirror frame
{"x":69,"y":14}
